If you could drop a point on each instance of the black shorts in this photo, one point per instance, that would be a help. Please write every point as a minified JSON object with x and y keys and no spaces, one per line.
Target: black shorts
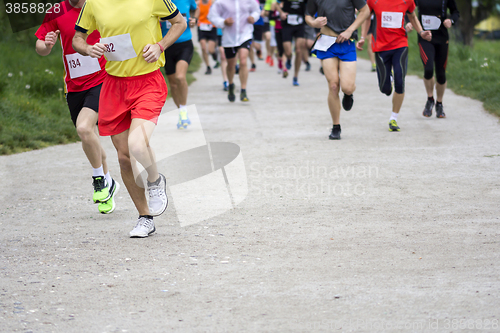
{"x":207,"y":35}
{"x":288,"y":32}
{"x":219,"y":40}
{"x":177,"y":52}
{"x":372,"y":28}
{"x":267,"y":27}
{"x":83,"y":99}
{"x":230,"y":52}
{"x":257,"y":32}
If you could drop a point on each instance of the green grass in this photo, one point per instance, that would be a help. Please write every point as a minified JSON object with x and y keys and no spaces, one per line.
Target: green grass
{"x":472,"y":72}
{"x":33,"y":110}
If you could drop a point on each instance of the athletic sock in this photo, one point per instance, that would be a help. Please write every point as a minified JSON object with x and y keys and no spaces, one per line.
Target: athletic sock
{"x":97,"y":172}
{"x":439,"y":103}
{"x":431,"y":99}
{"x":181,"y":107}
{"x":394,"y":116}
{"x":336,"y":126}
{"x":109,"y":180}
{"x":147,"y":216}
{"x":243,"y":90}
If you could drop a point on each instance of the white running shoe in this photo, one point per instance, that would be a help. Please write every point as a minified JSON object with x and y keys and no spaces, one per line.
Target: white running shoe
{"x":144,"y":227}
{"x":158,"y":200}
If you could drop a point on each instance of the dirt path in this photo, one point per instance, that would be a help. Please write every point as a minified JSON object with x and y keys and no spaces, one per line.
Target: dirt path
{"x":377,"y":232}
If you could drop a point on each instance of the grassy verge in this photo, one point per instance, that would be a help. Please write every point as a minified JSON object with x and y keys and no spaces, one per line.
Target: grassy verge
{"x":472,"y":72}
{"x":33,"y":110}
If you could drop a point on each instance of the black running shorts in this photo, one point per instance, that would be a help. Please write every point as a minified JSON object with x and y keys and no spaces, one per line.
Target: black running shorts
{"x":177,"y":52}
{"x":288,"y":32}
{"x":230,"y":52}
{"x":207,"y":35}
{"x":83,"y":99}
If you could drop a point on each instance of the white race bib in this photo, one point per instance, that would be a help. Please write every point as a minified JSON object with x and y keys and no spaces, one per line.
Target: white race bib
{"x":393,"y":20}
{"x":294,"y":19}
{"x":119,"y":48}
{"x":324,"y":42}
{"x":205,"y":27}
{"x":430,"y":22}
{"x":79,"y":65}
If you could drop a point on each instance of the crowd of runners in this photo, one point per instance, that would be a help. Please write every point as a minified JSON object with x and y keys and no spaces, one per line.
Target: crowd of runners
{"x":113,"y":52}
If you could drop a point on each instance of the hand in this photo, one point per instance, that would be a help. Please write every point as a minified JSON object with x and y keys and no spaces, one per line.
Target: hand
{"x":360,"y":43}
{"x":192,"y":22}
{"x":344,"y":36}
{"x":251,"y":20}
{"x":409,"y":27}
{"x":229,"y":21}
{"x":96,"y":50}
{"x":425,"y":34}
{"x":51,"y":38}
{"x":151,"y":53}
{"x":447,"y":23}
{"x":283,"y":16}
{"x":319,"y":22}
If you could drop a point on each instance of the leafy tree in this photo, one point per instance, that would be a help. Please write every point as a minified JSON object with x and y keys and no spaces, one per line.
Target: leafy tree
{"x":471,"y":15}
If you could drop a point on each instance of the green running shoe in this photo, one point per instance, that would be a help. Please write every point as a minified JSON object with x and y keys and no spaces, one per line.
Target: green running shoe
{"x":101,"y":189}
{"x":393,"y":126}
{"x":109,"y":206}
{"x":244,"y":97}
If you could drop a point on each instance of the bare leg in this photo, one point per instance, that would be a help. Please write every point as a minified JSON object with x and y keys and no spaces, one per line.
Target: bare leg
{"x":127,"y":166}
{"x":429,"y":87}
{"x":231,"y":63}
{"x":87,"y":131}
{"x":397,"y":101}
{"x":243,"y":55}
{"x":204,"y":54}
{"x":223,"y":63}
{"x":440,"y":89}
{"x":299,"y":49}
{"x":331,"y":69}
{"x":178,"y":83}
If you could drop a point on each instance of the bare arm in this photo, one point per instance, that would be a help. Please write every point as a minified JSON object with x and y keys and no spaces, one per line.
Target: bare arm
{"x":363,"y":14}
{"x":80,"y":45}
{"x":317,"y":22}
{"x":152,"y":52}
{"x":427,"y":35}
{"x":44,"y":48}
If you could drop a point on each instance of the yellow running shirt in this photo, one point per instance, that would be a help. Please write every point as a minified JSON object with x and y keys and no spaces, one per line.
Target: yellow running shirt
{"x":126,"y":26}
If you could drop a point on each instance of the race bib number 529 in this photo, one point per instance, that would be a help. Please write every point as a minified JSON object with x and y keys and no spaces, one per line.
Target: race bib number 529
{"x":393,"y":20}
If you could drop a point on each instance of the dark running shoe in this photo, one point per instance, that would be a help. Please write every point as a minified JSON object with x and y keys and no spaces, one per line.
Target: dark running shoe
{"x":321,"y":70}
{"x":308,"y":66}
{"x":288,"y":64}
{"x":428,"y":108}
{"x":231,"y":96}
{"x":253,"y":68}
{"x":347,"y":102}
{"x":237,"y":69}
{"x":208,"y":71}
{"x":439,"y":111}
{"x":335,"y":135}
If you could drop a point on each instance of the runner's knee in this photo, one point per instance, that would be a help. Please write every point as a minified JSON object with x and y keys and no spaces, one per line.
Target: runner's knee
{"x":84,"y":131}
{"x":441,"y":76}
{"x":428,"y":73}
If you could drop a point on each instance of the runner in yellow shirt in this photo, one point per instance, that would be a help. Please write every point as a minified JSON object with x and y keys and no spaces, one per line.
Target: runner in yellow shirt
{"x":134,"y":91}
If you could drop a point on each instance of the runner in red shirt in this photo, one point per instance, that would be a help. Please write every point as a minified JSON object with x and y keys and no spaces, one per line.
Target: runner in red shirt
{"x":83,"y":77}
{"x":390,"y":44}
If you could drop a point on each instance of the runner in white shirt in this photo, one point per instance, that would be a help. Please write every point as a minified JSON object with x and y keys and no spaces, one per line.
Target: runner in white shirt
{"x":236,"y":19}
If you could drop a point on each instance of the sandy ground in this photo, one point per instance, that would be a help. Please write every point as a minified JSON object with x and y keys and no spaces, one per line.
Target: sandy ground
{"x":378,"y":231}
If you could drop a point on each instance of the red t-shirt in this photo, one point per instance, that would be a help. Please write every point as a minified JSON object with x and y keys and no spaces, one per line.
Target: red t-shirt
{"x":390,"y":31}
{"x":80,"y":73}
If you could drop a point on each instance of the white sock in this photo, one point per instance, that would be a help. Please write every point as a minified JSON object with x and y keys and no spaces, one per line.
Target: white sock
{"x":181,"y":107}
{"x":97,"y":172}
{"x":394,"y":116}
{"x":109,"y":180}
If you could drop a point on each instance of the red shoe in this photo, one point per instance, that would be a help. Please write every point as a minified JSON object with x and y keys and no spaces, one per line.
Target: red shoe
{"x":271,"y":62}
{"x":268,"y":59}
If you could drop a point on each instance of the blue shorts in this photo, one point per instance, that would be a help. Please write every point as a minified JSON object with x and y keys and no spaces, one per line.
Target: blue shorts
{"x":345,"y":51}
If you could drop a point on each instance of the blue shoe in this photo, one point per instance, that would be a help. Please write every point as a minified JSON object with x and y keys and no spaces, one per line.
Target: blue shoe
{"x":183,"y":119}
{"x":237,"y":69}
{"x":225,"y":86}
{"x":295,"y":82}
{"x":288,"y":64}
